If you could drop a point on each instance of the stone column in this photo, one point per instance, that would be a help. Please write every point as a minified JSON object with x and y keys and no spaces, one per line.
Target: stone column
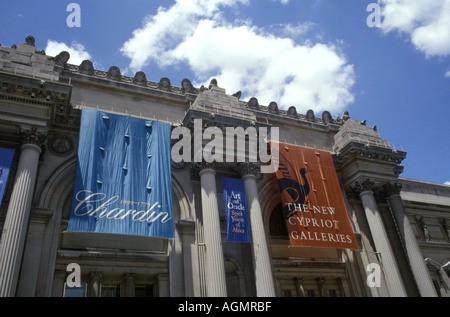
{"x":381,"y":240}
{"x":16,"y":222}
{"x":415,"y":257}
{"x":261,"y":258}
{"x":215,"y":265}
{"x":299,"y":287}
{"x":200,"y":288}
{"x":93,"y":289}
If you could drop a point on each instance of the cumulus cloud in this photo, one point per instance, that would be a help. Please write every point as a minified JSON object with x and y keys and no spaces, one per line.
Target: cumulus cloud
{"x":76,"y":50}
{"x":243,"y":57}
{"x":447,"y":183}
{"x":427,"y":22}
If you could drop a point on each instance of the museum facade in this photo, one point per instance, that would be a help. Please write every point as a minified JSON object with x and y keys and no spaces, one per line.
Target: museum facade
{"x":347,"y":224}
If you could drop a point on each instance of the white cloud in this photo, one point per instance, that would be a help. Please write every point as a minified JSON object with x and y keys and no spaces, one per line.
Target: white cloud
{"x":243,"y":57}
{"x":447,"y":183}
{"x":427,"y":22}
{"x":292,"y":31}
{"x":447,"y":74}
{"x":76,"y":50}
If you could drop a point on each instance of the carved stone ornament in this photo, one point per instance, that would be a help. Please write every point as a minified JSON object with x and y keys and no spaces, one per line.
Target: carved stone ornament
{"x":292,"y":112}
{"x":186,"y":86}
{"x":273,"y":108}
{"x":30,"y":40}
{"x":86,"y":67}
{"x":212,"y":83}
{"x":62,"y":58}
{"x":114,"y":73}
{"x":253,"y":103}
{"x":164,"y":84}
{"x":31,"y":136}
{"x":310,"y":115}
{"x":238,"y":95}
{"x":354,"y":190}
{"x":140,"y":79}
{"x":326,"y":117}
{"x":393,"y":188}
{"x":423,"y":226}
{"x":60,"y":145}
{"x":366,"y":184}
{"x":197,"y":167}
{"x":251,"y":168}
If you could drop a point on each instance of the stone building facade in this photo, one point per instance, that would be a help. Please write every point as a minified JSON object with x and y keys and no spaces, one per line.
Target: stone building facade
{"x":401,"y":225}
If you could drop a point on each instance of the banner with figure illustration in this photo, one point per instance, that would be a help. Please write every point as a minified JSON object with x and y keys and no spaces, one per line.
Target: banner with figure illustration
{"x":236,"y":210}
{"x":312,"y":201}
{"x":123,"y":176}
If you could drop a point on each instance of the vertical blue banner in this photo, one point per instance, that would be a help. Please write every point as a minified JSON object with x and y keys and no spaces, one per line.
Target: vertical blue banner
{"x":123,"y":181}
{"x":238,"y":229}
{"x":6,"y":157}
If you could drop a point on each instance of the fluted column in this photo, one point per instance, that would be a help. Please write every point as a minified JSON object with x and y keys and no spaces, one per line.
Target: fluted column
{"x":415,"y":257}
{"x":381,"y":240}
{"x":215,"y":265}
{"x":261,"y":258}
{"x":16,"y":222}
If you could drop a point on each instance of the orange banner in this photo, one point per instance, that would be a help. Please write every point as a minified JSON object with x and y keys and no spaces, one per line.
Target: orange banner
{"x":312,"y":200}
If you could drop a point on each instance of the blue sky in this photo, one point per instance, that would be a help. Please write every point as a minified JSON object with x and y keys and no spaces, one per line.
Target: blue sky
{"x":312,"y":54}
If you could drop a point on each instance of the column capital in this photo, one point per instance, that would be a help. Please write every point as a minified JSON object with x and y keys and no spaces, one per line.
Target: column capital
{"x":363,"y":184}
{"x":248,"y":168}
{"x":392,"y":188}
{"x":352,"y":192}
{"x":31,"y":136}
{"x":198,"y":167}
{"x":95,"y":275}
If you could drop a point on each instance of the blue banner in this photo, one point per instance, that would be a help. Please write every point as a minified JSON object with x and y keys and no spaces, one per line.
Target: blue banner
{"x":236,"y":210}
{"x":123,"y":180}
{"x":6,"y":157}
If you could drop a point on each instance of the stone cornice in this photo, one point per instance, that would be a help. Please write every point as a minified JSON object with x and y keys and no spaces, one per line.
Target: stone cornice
{"x":126,"y":85}
{"x":368,"y":152}
{"x":49,"y":100}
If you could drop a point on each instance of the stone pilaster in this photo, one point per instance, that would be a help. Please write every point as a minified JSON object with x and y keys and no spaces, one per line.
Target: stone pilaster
{"x":415,"y":257}
{"x":17,"y":216}
{"x":261,"y":258}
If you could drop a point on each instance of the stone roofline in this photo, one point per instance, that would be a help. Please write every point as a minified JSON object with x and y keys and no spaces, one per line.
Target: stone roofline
{"x":24,"y":59}
{"x":139,"y":80}
{"x":63,"y":67}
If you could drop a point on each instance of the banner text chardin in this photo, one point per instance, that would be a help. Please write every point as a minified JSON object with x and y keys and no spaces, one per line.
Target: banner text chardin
{"x":87,"y":206}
